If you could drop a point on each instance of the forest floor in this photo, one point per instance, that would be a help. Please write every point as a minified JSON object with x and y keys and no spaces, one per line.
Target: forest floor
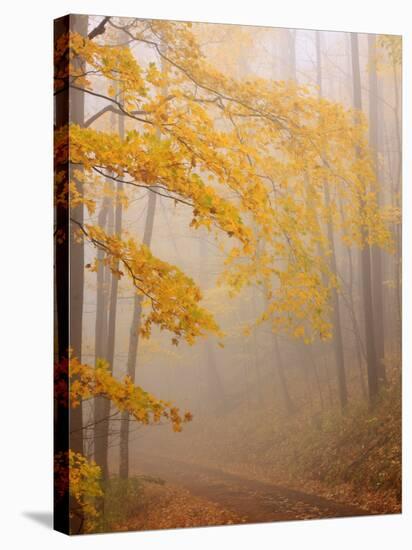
{"x":196,"y":495}
{"x":170,"y":506}
{"x":292,"y":469}
{"x":354,"y":459}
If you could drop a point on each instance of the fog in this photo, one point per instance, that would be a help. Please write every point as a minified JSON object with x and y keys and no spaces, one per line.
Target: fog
{"x":260,"y":397}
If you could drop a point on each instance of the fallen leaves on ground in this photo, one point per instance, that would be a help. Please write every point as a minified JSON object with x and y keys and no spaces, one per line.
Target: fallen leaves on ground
{"x":172,"y":507}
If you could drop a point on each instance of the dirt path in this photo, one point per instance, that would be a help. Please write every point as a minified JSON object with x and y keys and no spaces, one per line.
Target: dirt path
{"x":253,"y":500}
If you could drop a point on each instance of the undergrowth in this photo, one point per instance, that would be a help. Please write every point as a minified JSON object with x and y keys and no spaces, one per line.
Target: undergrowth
{"x":356,"y":455}
{"x":123,"y":499}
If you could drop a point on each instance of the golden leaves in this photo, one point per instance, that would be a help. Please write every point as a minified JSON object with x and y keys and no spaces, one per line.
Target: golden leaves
{"x":174,"y":298}
{"x":267,"y":150}
{"x":145,"y":160}
{"x":107,"y":62}
{"x":87,"y":382}
{"x":81,"y":478}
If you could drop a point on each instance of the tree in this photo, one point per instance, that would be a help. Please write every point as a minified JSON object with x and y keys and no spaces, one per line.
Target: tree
{"x":337,"y":328}
{"x":75,"y":474}
{"x":371,"y":357}
{"x":80,"y":25}
{"x":278,"y":360}
{"x":392,"y":47}
{"x":69,"y":299}
{"x":245,"y":178}
{"x":61,"y":281}
{"x":377,"y":269}
{"x":134,"y":342}
{"x":201,"y":146}
{"x":214,"y":382}
{"x":111,"y":329}
{"x":100,"y":409}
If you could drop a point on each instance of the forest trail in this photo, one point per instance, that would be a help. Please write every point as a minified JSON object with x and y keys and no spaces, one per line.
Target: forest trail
{"x":253,"y":500}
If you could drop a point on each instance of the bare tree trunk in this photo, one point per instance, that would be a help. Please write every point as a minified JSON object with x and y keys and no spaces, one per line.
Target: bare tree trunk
{"x":100,"y":445}
{"x":350,"y":305}
{"x":286,"y":69}
{"x":256,"y":361}
{"x":377,"y":270}
{"x":111,"y":324}
{"x":316,"y":376}
{"x":289,"y":405}
{"x":215,"y":385}
{"x":398,"y":183}
{"x":372,"y":363}
{"x":214,"y":382}
{"x":337,"y":341}
{"x":291,"y":49}
{"x":133,"y":344}
{"x":327,"y":377}
{"x":135,"y":329}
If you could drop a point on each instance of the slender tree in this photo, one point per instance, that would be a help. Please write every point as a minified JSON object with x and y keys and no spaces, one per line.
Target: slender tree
{"x":214,"y":382}
{"x":377,"y":268}
{"x":134,"y":342}
{"x":100,"y":414}
{"x":112,"y":315}
{"x":337,"y":342}
{"x":366,"y":268}
{"x":280,"y":369}
{"x":395,"y":62}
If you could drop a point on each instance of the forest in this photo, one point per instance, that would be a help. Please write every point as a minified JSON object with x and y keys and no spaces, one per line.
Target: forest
{"x":228,"y":289}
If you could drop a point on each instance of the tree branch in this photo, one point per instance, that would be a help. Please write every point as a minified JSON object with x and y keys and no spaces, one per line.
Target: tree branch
{"x":107,"y":109}
{"x":151,"y":188}
{"x":100,"y":29}
{"x":119,"y":105}
{"x":98,"y":244}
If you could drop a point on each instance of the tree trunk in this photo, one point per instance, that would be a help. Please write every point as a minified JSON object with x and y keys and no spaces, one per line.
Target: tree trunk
{"x":313,"y":365}
{"x":398,"y":203}
{"x":100,"y":444}
{"x":292,"y":54}
{"x":79,"y":24}
{"x":215,"y":388}
{"x":371,"y":358}
{"x":377,"y":269}
{"x":350,"y":305}
{"x":337,"y":341}
{"x":256,"y":361}
{"x":214,"y":382}
{"x":111,"y":328}
{"x":61,"y":296}
{"x":288,"y":54}
{"x":133,"y":344}
{"x":69,"y":281}
{"x":289,"y":405}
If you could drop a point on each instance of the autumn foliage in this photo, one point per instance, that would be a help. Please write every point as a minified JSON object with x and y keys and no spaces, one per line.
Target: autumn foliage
{"x":249,"y":159}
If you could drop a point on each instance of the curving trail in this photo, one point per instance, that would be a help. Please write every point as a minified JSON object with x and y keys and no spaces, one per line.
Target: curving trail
{"x":253,"y":500}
